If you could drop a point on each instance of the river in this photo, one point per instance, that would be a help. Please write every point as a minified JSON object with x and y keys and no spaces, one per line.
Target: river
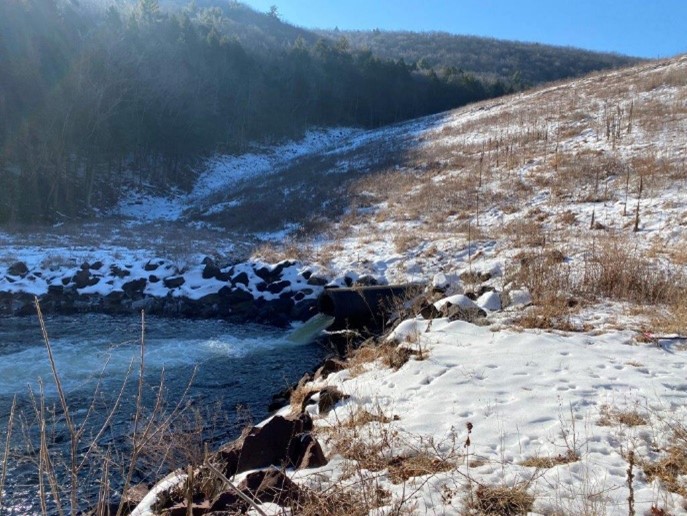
{"x":232,"y":370}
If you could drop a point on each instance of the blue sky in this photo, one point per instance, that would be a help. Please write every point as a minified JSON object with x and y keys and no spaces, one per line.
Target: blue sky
{"x":646,"y":28}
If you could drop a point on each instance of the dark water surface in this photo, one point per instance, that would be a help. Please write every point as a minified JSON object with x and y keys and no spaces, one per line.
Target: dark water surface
{"x":234,"y":371}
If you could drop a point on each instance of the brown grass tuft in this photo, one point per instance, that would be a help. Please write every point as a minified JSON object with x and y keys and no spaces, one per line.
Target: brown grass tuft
{"x":501,"y":500}
{"x":612,"y":417}
{"x":420,"y":464}
{"x":669,"y":469}
{"x":551,"y":462}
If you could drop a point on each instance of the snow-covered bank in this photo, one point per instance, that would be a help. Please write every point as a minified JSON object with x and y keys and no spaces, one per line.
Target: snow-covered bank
{"x":583,"y":402}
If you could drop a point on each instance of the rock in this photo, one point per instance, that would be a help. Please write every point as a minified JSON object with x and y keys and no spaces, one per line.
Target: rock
{"x":306,"y":274}
{"x":329,"y":366}
{"x":279,"y":268}
{"x":153,"y":279}
{"x":459,"y":308}
{"x":134,"y":288}
{"x":276,"y":312}
{"x":55,"y":290}
{"x":266,"y":275}
{"x":271,"y":486}
{"x":234,"y":295}
{"x":278,"y":286}
{"x":149,"y":267}
{"x":518,"y":297}
{"x":211,"y":271}
{"x":228,"y":501}
{"x":119,"y":272}
{"x":277,"y":443}
{"x":440,"y":283}
{"x":366,"y":281}
{"x":174,"y":282}
{"x":317,"y":281}
{"x":83,"y":279}
{"x":489,"y":300}
{"x":241,"y":277}
{"x":429,"y":311}
{"x":304,"y":310}
{"x":96,"y":266}
{"x":18,"y":269}
{"x":313,"y":456}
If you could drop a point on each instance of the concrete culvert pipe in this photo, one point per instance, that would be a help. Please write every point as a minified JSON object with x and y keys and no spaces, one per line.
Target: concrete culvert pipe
{"x":364,"y":307}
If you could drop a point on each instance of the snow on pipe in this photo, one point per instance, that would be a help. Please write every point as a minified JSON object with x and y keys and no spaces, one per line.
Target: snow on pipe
{"x":364,"y":307}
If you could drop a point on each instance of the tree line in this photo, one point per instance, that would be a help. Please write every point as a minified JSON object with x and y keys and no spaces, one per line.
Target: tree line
{"x":95,"y":101}
{"x":520,"y":63}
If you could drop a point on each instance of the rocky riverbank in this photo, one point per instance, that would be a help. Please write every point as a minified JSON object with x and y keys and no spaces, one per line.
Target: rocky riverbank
{"x":253,"y":291}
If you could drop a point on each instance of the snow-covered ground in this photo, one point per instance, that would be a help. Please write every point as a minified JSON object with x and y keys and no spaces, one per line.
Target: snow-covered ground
{"x":528,"y":395}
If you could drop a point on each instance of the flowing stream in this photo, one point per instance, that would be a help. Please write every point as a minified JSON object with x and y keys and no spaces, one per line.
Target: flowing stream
{"x":232,"y":371}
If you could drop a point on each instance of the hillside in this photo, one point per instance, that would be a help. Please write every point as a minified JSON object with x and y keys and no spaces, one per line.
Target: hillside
{"x":569,"y":397}
{"x":95,"y":102}
{"x":524,"y":64}
{"x":98,"y":101}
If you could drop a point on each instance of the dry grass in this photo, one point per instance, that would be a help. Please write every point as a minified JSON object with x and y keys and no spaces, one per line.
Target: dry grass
{"x":389,"y":354}
{"x":610,"y":270}
{"x":669,"y":469}
{"x":419,"y":464}
{"x":551,"y":462}
{"x":356,"y":500}
{"x":611,"y":416}
{"x":500,"y":500}
{"x":287,"y":250}
{"x":363,"y":417}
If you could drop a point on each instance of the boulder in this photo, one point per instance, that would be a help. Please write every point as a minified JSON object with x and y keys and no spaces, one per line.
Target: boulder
{"x":317,"y":281}
{"x":278,"y":286}
{"x":489,"y":300}
{"x":212,"y":271}
{"x":150,"y":266}
{"x":366,"y":281}
{"x":278,"y":442}
{"x":119,"y":272}
{"x":174,"y":281}
{"x":134,"y":288}
{"x":83,"y":279}
{"x":267,"y":275}
{"x":241,"y":277}
{"x":18,"y":269}
{"x":440,"y":282}
{"x":459,"y":308}
{"x":269,"y":486}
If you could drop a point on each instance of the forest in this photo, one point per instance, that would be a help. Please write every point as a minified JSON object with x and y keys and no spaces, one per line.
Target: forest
{"x":95,"y":100}
{"x":519,"y":63}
